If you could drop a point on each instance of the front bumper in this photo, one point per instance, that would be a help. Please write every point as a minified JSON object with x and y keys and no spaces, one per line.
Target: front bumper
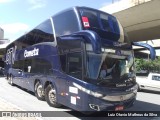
{"x":110,"y":101}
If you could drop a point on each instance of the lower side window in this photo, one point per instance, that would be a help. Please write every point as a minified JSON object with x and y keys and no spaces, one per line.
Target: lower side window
{"x":71,"y":64}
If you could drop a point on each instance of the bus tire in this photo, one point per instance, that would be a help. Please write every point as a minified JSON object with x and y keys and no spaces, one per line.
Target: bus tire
{"x":139,"y":88}
{"x":7,"y":77}
{"x":39,"y":93}
{"x":50,"y":96}
{"x":10,"y":80}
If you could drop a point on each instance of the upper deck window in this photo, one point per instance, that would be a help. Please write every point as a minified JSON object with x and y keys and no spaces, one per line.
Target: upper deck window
{"x":65,"y":23}
{"x":100,"y":20}
{"x":92,"y":18}
{"x":109,"y":23}
{"x":105,"y":25}
{"x":42,"y":33}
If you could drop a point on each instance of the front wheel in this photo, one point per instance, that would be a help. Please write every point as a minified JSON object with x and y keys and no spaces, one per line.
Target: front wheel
{"x":50,"y":96}
{"x":39,"y":93}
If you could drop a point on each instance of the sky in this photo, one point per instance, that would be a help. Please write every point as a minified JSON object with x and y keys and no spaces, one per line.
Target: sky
{"x":20,"y":16}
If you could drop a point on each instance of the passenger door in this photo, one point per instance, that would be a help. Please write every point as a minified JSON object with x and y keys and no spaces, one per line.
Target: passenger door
{"x":26,"y":74}
{"x":75,"y":65}
{"x":17,"y":72}
{"x":74,"y":70}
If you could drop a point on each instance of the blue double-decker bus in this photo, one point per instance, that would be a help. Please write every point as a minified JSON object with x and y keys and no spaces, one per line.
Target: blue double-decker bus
{"x":80,"y":58}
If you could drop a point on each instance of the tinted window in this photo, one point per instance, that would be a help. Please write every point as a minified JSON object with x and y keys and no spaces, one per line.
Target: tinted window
{"x":15,"y":65}
{"x":109,"y":23}
{"x":104,"y":20}
{"x":45,"y":27}
{"x":75,"y":65}
{"x":66,"y":49}
{"x":20,"y":44}
{"x":105,"y":25}
{"x":22,"y":65}
{"x":113,"y":24}
{"x":27,"y":65}
{"x":154,"y":77}
{"x":18,"y":65}
{"x":65,"y":23}
{"x":92,"y":18}
{"x":40,"y":66}
{"x":36,"y":65}
{"x":63,"y":62}
{"x":67,"y":46}
{"x":42,"y":33}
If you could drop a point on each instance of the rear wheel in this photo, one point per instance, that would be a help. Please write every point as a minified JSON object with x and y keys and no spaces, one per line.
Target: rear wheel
{"x":7,"y":77}
{"x":39,"y":92}
{"x":139,"y":88}
{"x":10,"y":80}
{"x":50,"y":96}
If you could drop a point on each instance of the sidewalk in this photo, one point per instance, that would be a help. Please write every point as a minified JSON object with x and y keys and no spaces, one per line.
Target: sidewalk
{"x":5,"y":106}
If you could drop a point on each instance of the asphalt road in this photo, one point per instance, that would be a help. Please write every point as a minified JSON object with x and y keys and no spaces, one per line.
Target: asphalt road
{"x":146,"y":101}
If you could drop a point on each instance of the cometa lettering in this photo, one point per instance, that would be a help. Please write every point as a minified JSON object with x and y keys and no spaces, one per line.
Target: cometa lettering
{"x":31,"y":53}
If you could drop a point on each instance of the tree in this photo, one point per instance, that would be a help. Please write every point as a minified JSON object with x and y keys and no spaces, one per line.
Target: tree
{"x":148,"y":65}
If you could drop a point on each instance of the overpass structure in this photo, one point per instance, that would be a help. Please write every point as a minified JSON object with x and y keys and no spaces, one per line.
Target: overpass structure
{"x":140,"y":18}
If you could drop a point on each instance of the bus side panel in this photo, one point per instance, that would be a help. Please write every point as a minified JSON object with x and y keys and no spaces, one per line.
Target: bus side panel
{"x":42,"y":66}
{"x":69,"y":93}
{"x":59,"y":84}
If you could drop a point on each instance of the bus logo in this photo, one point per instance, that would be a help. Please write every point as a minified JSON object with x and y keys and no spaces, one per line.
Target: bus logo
{"x":31,"y":53}
{"x":10,"y":56}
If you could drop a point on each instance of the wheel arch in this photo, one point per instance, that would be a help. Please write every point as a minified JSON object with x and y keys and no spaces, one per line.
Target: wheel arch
{"x":38,"y":80}
{"x":47,"y":83}
{"x":50,"y":83}
{"x":35,"y":81}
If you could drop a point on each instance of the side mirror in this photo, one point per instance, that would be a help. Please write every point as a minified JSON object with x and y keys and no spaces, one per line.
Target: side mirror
{"x":147,"y":46}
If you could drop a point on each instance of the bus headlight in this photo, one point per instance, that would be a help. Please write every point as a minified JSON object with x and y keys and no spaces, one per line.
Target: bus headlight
{"x":96,"y":94}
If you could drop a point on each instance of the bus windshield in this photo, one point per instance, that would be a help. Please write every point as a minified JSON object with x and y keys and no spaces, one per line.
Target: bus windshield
{"x":112,"y":65}
{"x":107,"y":26}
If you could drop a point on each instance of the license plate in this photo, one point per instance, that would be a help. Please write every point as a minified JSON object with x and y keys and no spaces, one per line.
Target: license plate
{"x":119,"y":108}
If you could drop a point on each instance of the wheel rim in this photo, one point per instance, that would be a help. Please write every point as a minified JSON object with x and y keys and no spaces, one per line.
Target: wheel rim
{"x":52,"y":96}
{"x":39,"y":91}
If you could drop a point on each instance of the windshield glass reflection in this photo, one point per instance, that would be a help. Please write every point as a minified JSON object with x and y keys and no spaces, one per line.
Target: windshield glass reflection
{"x":111,"y":65}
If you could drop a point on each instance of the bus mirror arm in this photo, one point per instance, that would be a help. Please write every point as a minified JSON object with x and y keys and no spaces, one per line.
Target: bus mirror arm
{"x":89,"y":37}
{"x":147,"y":46}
